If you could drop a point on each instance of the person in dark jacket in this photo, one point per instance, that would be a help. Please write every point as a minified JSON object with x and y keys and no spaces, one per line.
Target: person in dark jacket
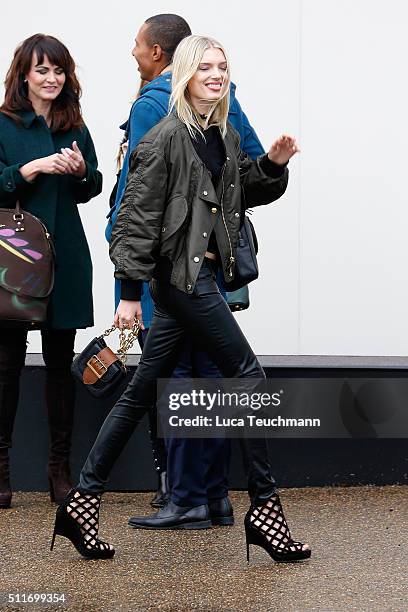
{"x":190,"y":471}
{"x":48,"y":163}
{"x":178,"y":222}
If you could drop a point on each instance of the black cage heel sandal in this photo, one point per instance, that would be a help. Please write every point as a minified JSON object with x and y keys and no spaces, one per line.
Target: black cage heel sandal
{"x":266,"y":526}
{"x":77,"y":519}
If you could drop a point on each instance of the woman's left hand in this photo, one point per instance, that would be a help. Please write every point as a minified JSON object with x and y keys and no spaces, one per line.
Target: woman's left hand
{"x":283,"y":149}
{"x":75,"y":160}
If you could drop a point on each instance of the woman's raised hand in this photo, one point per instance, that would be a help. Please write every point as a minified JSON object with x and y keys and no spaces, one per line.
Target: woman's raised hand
{"x":283,"y":149}
{"x":53,"y":164}
{"x":74,"y":160}
{"x":69,"y":161}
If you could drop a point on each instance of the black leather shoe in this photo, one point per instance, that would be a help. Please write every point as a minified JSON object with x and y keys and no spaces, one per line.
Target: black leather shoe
{"x":221,"y":511}
{"x":174,"y":517}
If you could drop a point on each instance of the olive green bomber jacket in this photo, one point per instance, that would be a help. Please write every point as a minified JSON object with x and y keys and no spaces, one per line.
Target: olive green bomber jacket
{"x":170,"y":205}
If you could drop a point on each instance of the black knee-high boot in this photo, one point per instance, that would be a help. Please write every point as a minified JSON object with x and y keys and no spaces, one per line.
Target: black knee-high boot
{"x":8,"y":408}
{"x":12,"y":355}
{"x":60,"y":398}
{"x":58,"y":351}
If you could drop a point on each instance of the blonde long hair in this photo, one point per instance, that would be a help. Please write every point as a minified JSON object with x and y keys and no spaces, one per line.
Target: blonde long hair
{"x":186,"y":60}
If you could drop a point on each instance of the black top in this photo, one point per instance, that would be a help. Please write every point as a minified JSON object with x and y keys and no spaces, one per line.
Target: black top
{"x":209,"y":147}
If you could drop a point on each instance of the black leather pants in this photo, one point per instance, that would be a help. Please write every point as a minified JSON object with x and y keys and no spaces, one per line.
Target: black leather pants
{"x":205,"y":316}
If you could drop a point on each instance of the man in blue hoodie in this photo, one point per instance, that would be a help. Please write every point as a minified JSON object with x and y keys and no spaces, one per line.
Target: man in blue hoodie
{"x":197,"y":470}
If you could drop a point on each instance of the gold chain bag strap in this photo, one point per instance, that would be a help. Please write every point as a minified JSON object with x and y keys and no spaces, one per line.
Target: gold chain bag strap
{"x":98,"y":367}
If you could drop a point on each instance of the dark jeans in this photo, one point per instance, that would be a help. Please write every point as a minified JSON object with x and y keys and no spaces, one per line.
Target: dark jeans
{"x":197,"y":469}
{"x":58,"y":352}
{"x":206,"y":317}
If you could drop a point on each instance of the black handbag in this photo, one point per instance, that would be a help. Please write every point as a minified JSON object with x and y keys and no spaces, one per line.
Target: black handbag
{"x":99,"y":368}
{"x":246,"y":265}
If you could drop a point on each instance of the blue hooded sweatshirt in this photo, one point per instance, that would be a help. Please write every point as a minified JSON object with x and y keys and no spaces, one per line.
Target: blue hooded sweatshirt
{"x":150,"y":107}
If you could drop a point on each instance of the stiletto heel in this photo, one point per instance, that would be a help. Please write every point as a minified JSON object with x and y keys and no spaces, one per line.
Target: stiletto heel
{"x":266,"y":526}
{"x":77,"y":519}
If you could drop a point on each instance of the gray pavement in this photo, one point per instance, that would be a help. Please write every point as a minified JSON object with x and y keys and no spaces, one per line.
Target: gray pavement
{"x":359,"y":538}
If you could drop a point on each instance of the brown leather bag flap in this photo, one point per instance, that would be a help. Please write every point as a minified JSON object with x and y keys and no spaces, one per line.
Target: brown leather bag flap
{"x":98,"y":365}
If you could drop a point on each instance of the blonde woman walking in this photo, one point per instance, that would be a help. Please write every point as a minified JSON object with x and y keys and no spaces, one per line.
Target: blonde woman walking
{"x":177,"y":225}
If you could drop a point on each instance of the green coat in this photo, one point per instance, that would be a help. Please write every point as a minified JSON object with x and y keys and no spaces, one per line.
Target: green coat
{"x":54,"y":199}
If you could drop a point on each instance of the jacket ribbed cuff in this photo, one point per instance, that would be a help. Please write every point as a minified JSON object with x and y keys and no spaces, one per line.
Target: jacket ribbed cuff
{"x":270,"y":168}
{"x":130,"y":290}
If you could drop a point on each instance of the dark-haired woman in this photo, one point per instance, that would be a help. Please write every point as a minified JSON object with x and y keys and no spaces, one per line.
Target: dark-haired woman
{"x":48,"y":163}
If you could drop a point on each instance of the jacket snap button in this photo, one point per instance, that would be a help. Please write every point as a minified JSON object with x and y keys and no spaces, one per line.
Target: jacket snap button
{"x":163,"y":229}
{"x":228,"y":158}
{"x":205,"y":192}
{"x":204,"y":234}
{"x":189,"y":287}
{"x":196,"y":259}
{"x":213,"y":210}
{"x":236,"y":214}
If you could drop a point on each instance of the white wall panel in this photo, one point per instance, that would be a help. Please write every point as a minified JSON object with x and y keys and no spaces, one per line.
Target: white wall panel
{"x":354,"y":215}
{"x":266,"y":69}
